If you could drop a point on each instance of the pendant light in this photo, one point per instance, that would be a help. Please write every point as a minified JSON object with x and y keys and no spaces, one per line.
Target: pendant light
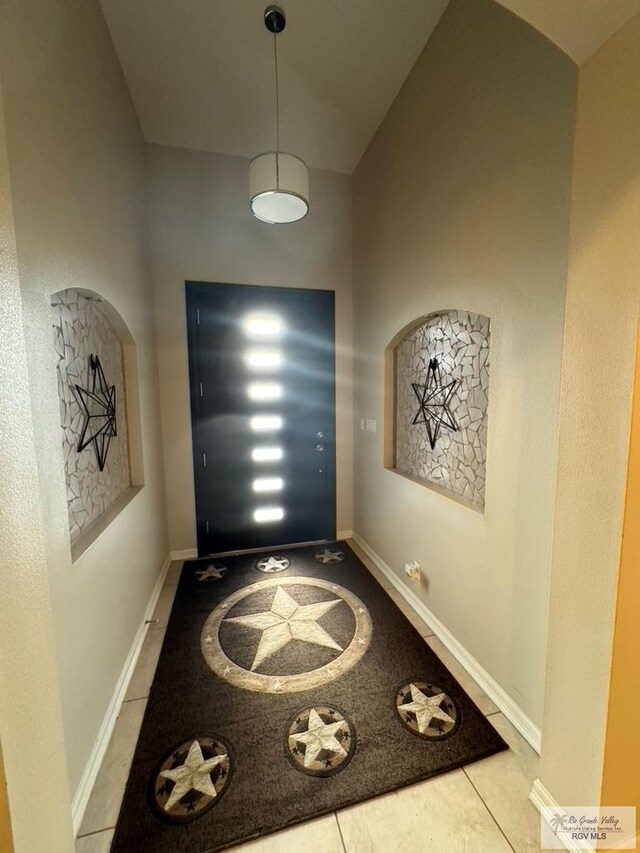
{"x":278,"y":182}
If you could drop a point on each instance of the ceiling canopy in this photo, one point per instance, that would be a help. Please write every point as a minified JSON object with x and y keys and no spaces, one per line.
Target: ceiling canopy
{"x":201,"y":73}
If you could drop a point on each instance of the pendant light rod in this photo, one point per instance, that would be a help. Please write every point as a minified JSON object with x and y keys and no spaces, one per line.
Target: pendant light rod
{"x":275,"y":21}
{"x":275,"y":61}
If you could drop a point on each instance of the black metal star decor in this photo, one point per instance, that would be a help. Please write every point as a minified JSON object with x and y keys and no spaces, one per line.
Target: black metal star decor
{"x":434,"y":396}
{"x":98,"y":404}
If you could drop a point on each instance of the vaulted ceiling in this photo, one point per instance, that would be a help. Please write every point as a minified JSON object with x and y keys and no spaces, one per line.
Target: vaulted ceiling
{"x":578,"y":27}
{"x":201,"y":72}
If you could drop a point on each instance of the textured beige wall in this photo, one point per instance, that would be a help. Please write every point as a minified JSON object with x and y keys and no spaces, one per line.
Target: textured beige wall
{"x":77,"y":168}
{"x":30,"y":716}
{"x":202,"y":230}
{"x":462,"y":201}
{"x":600,"y":334}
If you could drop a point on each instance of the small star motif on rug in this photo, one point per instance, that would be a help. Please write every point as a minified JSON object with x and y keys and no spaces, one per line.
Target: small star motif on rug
{"x":272,"y":564}
{"x":193,"y":775}
{"x":434,"y":399}
{"x":211,"y":573}
{"x":286,"y":621}
{"x":426,"y":708}
{"x":318,"y":737}
{"x":330,"y":555}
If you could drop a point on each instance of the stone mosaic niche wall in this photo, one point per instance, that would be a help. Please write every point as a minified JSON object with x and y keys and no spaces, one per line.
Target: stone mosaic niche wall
{"x":457,"y":464}
{"x":82,"y":329}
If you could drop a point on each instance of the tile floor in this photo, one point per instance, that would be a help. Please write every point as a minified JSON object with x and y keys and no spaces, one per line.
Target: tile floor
{"x":481,"y":808}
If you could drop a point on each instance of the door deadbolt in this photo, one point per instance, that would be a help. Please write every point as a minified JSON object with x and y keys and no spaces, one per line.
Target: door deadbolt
{"x":319,"y":448}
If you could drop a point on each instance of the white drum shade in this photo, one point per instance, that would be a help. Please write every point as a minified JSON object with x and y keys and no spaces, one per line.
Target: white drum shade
{"x":279,"y":187}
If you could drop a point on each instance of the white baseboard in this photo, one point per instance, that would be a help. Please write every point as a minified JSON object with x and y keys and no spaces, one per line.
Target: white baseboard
{"x":185,"y":554}
{"x":544,"y":803}
{"x":516,"y":716}
{"x":92,"y":768}
{"x":547,"y":806}
{"x":344,"y":534}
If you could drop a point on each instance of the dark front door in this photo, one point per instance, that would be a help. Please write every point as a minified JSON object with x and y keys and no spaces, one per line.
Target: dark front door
{"x":262,"y":377}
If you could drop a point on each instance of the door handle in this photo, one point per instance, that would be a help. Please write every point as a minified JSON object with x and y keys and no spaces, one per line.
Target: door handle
{"x":319,"y":448}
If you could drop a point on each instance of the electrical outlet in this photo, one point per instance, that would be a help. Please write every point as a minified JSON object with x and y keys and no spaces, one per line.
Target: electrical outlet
{"x":413,"y":571}
{"x":371,"y":425}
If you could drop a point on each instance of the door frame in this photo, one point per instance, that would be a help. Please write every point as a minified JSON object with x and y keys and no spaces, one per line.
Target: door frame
{"x":193,"y":289}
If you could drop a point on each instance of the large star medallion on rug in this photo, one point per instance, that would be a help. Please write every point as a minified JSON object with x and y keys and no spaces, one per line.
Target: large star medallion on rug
{"x":286,"y":621}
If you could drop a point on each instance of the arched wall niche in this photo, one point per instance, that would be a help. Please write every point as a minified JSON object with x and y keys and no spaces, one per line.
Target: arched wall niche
{"x":436,"y":401}
{"x":102,"y":475}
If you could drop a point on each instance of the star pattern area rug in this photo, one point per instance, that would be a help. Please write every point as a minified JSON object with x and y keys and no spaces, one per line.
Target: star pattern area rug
{"x":289,"y":685}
